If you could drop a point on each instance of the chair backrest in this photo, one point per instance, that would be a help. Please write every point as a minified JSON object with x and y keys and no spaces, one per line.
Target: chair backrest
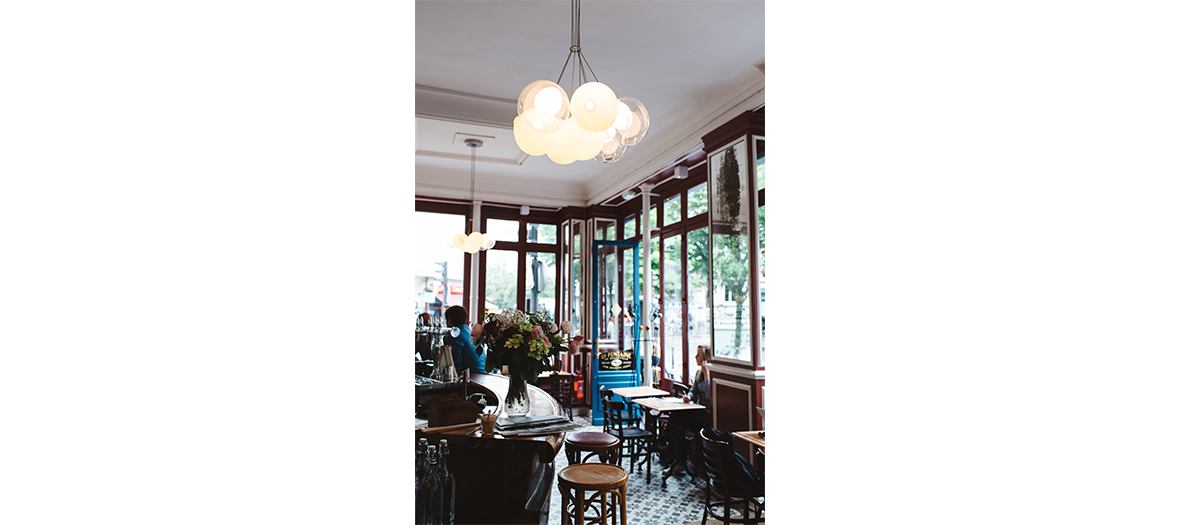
{"x":717,"y":451}
{"x":679,"y":389}
{"x":615,"y":415}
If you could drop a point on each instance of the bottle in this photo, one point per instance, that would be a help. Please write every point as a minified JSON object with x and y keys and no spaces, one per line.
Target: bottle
{"x":448,"y":484}
{"x":419,"y":482}
{"x":432,"y":489}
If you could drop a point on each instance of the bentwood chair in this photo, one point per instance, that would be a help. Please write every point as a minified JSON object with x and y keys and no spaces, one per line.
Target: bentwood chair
{"x":636,"y":441}
{"x":731,"y":478}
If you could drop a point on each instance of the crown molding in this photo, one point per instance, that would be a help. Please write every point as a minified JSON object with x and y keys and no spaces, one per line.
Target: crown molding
{"x":750,"y":93}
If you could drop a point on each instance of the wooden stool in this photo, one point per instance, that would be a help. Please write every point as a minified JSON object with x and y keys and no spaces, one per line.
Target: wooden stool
{"x":604,"y":445}
{"x":602,"y":480}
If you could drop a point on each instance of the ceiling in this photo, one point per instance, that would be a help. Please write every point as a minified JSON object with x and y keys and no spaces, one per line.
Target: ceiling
{"x":694,"y":64}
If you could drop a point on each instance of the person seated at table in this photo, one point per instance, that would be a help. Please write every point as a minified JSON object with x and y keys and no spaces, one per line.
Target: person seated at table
{"x":683,"y":423}
{"x":465,"y":354}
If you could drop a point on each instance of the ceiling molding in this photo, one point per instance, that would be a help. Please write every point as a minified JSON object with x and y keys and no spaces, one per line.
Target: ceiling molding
{"x":445,"y":91}
{"x":523,"y":193}
{"x":753,"y":95}
{"x":454,"y":156}
{"x":456,"y":120}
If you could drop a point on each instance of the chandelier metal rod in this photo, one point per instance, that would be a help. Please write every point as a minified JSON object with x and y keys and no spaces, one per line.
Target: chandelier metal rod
{"x":471,"y":221}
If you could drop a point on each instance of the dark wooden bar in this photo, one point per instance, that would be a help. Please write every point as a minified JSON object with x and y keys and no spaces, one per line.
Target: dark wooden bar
{"x":500,"y":479}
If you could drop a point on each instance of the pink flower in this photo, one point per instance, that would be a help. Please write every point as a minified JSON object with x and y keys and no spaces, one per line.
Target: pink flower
{"x":566,"y":326}
{"x":538,"y":332}
{"x":552,"y":327}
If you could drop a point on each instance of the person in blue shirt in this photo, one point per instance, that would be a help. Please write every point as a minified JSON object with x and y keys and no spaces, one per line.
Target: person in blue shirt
{"x":465,"y":354}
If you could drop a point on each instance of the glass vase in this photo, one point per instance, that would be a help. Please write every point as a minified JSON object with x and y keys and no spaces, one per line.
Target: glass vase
{"x":517,"y":401}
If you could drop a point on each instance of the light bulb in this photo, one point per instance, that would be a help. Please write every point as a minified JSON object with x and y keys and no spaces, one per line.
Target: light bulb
{"x":623,"y":119}
{"x":594,"y":106}
{"x":544,"y":96}
{"x":548,"y":100}
{"x":459,"y":240}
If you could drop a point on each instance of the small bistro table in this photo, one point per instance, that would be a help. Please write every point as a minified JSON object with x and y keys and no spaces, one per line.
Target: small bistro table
{"x":669,"y":404}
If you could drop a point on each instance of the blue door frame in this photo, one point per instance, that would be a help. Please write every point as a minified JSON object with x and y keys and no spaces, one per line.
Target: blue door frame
{"x":612,"y":379}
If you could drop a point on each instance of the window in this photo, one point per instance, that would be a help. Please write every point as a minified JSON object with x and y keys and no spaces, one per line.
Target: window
{"x":672,"y":210}
{"x":542,"y":233}
{"x":673,"y":310}
{"x":698,"y":200}
{"x":629,"y":227}
{"x":438,"y":265}
{"x":500,"y":280}
{"x":502,"y":230}
{"x":697,"y":294}
{"x":540,"y":281}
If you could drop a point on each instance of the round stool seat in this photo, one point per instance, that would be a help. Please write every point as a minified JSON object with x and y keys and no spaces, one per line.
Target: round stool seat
{"x":593,"y":476}
{"x":591,"y":440}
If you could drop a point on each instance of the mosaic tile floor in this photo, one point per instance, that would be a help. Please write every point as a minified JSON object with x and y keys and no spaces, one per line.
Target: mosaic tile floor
{"x":679,"y":501}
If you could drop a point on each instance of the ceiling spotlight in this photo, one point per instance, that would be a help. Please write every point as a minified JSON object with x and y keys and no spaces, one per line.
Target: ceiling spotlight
{"x":630,"y":194}
{"x":681,"y":172}
{"x":524,"y":209}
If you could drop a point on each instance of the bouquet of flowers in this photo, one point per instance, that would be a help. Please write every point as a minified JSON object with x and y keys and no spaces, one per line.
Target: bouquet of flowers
{"x":525,"y":341}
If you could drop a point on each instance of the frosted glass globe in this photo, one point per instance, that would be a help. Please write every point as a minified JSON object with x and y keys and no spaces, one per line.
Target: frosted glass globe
{"x":529,"y":140}
{"x":475,"y":240}
{"x":558,"y":155}
{"x":594,"y":106}
{"x":546,"y":97}
{"x":636,"y":129}
{"x":459,"y":240}
{"x":578,"y":143}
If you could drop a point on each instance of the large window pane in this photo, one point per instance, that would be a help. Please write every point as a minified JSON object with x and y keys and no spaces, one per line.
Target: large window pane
{"x":542,"y":233}
{"x":502,"y":230}
{"x":759,"y":164}
{"x":672,"y":210}
{"x":500,"y":280}
{"x":576,"y":281}
{"x":540,"y":282}
{"x":729,"y":219}
{"x":698,"y":200}
{"x":673,"y":310}
{"x":698,"y":294}
{"x":438,"y":264}
{"x":654,"y":267}
{"x":762,"y":282}
{"x":629,"y":227}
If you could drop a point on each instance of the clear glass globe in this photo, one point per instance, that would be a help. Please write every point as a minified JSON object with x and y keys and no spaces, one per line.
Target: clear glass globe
{"x":531,"y":141}
{"x":611,"y":150}
{"x":632,"y":128}
{"x":594,"y":106}
{"x":545,"y":102}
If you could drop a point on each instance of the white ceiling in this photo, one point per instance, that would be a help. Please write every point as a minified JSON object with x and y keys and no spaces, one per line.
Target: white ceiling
{"x":694,"y":64}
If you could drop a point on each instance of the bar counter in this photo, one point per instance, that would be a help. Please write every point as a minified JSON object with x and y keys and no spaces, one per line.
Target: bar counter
{"x":501,"y":479}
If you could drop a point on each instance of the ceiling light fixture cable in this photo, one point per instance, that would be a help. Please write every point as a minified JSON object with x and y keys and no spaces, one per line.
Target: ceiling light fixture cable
{"x":592,"y":124}
{"x":472,"y":241}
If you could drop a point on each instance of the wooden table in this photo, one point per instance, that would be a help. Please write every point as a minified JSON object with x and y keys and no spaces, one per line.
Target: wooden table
{"x":751,"y":436}
{"x":634,"y":392}
{"x":667,"y":404}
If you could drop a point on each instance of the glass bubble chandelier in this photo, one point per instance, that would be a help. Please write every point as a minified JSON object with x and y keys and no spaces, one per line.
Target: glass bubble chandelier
{"x":592,"y":124}
{"x":474,"y":241}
